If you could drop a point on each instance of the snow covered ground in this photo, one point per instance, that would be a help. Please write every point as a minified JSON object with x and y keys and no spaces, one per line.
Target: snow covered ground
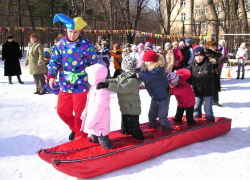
{"x":29,"y":122}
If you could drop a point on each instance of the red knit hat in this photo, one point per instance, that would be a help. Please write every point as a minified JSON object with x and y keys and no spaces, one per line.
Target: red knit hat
{"x":150,"y":55}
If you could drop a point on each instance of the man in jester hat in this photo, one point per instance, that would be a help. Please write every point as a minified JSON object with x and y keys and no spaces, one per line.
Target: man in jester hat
{"x":73,"y":53}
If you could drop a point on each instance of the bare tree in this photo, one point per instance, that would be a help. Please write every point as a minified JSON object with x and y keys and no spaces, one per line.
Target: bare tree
{"x":214,"y":16}
{"x":164,"y":12}
{"x":244,"y":16}
{"x":131,"y":13}
{"x":30,"y":13}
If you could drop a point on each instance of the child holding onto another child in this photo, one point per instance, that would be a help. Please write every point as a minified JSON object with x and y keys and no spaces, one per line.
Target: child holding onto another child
{"x":183,"y":93}
{"x":127,"y":89}
{"x":96,"y":115}
{"x":153,"y":75}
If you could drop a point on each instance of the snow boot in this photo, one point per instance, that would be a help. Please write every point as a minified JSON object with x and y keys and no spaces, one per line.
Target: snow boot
{"x":217,"y":104}
{"x":105,"y":142}
{"x":72,"y":136}
{"x":94,"y":138}
{"x":192,"y":122}
{"x":134,"y":126}
{"x":10,"y":82}
{"x":19,"y":80}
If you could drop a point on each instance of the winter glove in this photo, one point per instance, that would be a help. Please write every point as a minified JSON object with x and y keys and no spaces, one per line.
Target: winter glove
{"x":170,"y":90}
{"x":102,"y":85}
{"x":130,"y":75}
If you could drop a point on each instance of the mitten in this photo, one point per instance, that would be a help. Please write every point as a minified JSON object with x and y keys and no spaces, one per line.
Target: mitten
{"x":130,"y":75}
{"x":102,"y":85}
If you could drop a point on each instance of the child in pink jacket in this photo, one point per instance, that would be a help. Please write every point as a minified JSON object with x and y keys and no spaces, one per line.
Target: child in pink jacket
{"x":183,"y":93}
{"x":96,"y":115}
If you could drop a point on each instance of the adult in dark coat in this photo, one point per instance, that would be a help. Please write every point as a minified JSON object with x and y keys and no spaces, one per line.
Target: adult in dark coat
{"x":215,"y":57}
{"x":11,"y":54}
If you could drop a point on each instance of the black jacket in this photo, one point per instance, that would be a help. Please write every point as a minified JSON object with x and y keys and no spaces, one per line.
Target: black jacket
{"x":184,"y":62}
{"x":216,"y":59}
{"x":11,"y":54}
{"x":202,"y":77}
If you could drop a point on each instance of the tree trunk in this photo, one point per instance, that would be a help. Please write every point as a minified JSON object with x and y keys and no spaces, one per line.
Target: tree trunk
{"x":214,"y":16}
{"x":168,"y":3}
{"x":30,"y":13}
{"x":244,"y":17}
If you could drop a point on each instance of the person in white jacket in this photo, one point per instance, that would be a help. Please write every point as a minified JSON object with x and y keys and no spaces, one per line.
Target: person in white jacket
{"x":242,"y":56}
{"x":134,"y":53}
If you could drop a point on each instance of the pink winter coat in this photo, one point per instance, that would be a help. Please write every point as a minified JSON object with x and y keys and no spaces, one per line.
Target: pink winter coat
{"x":178,"y":56}
{"x":140,"y":59}
{"x":96,"y":115}
{"x":183,"y":92}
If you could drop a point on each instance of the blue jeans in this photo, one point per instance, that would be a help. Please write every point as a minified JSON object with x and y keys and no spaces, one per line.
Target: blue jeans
{"x":208,"y":104}
{"x":159,"y":109}
{"x":242,"y":67}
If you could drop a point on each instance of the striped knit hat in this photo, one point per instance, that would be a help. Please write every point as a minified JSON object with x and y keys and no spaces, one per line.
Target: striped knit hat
{"x":173,"y":79}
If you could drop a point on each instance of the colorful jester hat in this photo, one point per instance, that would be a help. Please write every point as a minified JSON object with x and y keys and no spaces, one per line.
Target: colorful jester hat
{"x":74,"y":24}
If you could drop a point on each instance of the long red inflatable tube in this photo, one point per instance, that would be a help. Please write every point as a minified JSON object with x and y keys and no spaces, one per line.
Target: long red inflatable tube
{"x":84,"y":159}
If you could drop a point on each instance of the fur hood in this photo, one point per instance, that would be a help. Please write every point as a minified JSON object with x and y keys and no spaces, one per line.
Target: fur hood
{"x":210,"y":53}
{"x":159,"y":63}
{"x":215,"y":57}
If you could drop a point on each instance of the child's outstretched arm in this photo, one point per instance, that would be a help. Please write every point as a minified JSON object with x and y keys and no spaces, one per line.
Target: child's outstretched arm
{"x":126,"y":88}
{"x":151,"y":75}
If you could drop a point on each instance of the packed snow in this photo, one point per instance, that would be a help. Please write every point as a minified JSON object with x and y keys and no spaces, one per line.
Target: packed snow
{"x":29,"y":122}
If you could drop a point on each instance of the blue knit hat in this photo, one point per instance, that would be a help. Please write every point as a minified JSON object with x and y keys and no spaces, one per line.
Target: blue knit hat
{"x":173,"y":79}
{"x":188,"y":41}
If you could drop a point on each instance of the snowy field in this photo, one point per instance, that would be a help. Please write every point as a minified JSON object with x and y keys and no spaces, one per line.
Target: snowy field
{"x":29,"y":122}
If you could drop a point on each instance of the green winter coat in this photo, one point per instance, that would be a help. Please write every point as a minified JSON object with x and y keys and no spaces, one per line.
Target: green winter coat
{"x":127,"y":92}
{"x":35,"y":55}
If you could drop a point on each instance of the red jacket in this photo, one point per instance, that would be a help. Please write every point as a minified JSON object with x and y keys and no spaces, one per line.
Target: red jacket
{"x":178,"y":56}
{"x":183,"y":92}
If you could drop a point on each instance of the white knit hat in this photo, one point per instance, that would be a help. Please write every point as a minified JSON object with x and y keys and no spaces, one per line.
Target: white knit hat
{"x":168,"y":45}
{"x":134,"y":47}
{"x":243,"y":44}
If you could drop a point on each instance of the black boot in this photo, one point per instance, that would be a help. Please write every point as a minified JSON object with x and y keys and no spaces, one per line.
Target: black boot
{"x":217,"y":104}
{"x":237,"y":77}
{"x":124,"y":125}
{"x":19,"y":80}
{"x":192,"y":122}
{"x":105,"y":142}
{"x":134,"y":126}
{"x":72,"y":136}
{"x":242,"y":77}
{"x":10,"y":82}
{"x":94,"y":139}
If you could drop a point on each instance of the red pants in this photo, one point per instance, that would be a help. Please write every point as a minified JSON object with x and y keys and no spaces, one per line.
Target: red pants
{"x":69,"y":102}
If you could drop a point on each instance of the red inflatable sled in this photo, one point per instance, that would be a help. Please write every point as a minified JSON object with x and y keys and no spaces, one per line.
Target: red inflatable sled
{"x":83,"y":159}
